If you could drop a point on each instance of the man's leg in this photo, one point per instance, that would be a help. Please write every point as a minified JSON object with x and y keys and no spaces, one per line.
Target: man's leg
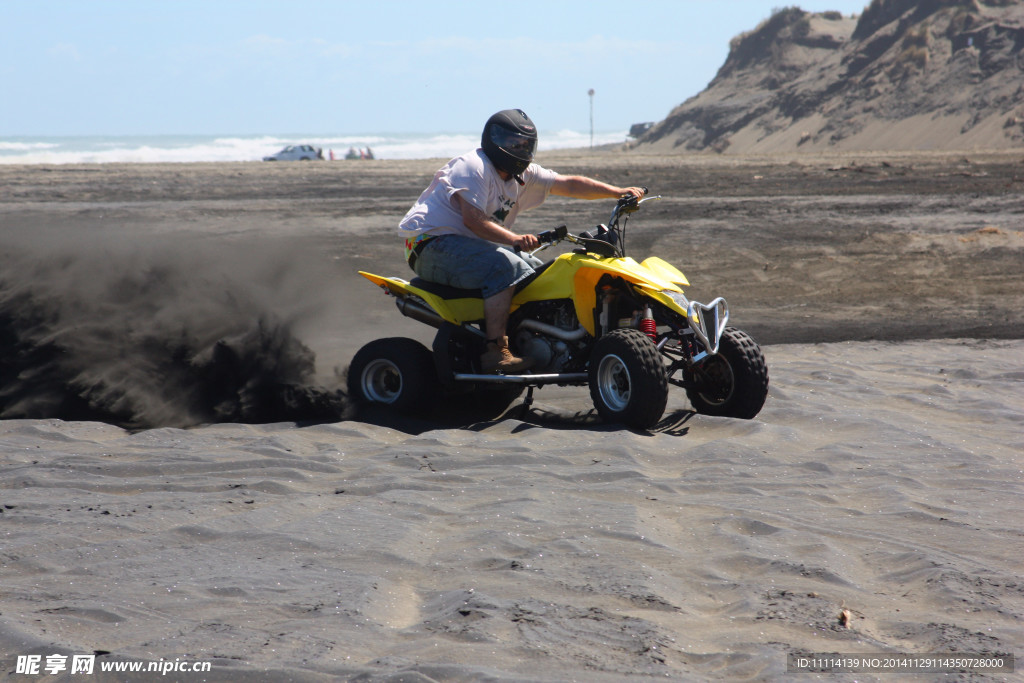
{"x":496,"y":310}
{"x":498,"y":356}
{"x":474,"y":264}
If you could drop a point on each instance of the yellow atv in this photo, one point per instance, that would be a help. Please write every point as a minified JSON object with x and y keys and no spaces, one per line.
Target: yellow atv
{"x":593,"y":316}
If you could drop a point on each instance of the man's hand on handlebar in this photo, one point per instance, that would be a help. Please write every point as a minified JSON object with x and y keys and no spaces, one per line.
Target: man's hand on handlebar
{"x":629,"y":201}
{"x":526,"y":242}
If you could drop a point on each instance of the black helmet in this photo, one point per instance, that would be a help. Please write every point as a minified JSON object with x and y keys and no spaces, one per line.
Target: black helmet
{"x":509,"y":141}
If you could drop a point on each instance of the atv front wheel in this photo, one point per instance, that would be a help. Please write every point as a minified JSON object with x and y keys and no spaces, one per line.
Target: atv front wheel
{"x":396,"y":371}
{"x":732,"y":383}
{"x":628,"y":383}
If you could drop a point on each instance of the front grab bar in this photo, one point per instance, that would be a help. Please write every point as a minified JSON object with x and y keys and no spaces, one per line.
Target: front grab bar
{"x":708,"y":322}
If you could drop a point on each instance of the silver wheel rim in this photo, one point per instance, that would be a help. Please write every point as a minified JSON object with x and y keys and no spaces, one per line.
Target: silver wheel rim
{"x":613,"y":383}
{"x":725,"y":377}
{"x":382,"y":381}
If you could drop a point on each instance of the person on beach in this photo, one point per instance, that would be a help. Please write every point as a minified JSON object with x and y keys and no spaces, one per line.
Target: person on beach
{"x":458,"y":231}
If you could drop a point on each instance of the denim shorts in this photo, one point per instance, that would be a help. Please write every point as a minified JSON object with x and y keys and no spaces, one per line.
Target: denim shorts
{"x":471,"y":263}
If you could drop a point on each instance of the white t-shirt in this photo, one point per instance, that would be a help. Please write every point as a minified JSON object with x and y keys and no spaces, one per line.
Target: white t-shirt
{"x":436,"y":211}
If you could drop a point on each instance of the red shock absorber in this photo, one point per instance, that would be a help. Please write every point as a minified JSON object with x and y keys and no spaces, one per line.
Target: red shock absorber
{"x":647,"y":324}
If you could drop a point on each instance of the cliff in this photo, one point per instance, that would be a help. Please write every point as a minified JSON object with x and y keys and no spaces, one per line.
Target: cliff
{"x":905,"y":75}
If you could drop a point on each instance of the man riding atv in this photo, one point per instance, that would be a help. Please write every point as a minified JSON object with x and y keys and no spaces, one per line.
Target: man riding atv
{"x":455,"y":231}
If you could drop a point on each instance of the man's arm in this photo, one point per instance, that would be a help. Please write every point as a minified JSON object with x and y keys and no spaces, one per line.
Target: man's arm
{"x":582,"y":187}
{"x":483,"y":227}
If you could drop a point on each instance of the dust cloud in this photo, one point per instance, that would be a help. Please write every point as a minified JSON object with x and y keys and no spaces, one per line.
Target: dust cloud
{"x":157,"y":331}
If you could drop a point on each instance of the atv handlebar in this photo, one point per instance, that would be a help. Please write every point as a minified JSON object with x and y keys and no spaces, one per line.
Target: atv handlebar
{"x":606,"y":239}
{"x":552,"y":236}
{"x":629,"y":203}
{"x":549,"y":237}
{"x":630,"y":199}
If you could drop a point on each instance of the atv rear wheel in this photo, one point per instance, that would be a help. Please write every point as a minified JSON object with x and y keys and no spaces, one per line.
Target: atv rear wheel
{"x":732,"y":383}
{"x":628,"y":383}
{"x":396,"y":372}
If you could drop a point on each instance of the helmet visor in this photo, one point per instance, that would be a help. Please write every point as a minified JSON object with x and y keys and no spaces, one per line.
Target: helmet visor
{"x":514,"y":144}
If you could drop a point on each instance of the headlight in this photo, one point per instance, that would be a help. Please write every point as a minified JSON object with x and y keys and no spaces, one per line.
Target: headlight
{"x":678,"y":297}
{"x":683,"y":303}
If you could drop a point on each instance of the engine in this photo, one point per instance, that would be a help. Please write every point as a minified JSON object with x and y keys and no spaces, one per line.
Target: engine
{"x":550,"y":334}
{"x":549,"y":354}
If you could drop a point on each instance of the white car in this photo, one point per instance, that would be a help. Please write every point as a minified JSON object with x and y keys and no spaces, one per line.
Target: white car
{"x":297,"y":153}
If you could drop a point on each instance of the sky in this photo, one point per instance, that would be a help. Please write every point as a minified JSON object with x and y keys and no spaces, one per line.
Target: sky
{"x":250,"y":67}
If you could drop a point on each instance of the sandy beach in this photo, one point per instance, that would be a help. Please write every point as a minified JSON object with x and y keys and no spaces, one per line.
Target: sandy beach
{"x":158,"y":502}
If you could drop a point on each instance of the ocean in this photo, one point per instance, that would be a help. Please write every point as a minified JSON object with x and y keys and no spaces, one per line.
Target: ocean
{"x":190,"y":148}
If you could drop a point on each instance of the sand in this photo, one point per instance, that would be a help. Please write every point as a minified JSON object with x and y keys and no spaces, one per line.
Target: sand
{"x":882,"y":481}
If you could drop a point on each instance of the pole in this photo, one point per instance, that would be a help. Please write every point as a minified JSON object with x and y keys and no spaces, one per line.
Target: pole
{"x":591,"y":93}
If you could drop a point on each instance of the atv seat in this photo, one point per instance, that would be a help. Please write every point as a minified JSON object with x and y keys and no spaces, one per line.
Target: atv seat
{"x":448,"y":292}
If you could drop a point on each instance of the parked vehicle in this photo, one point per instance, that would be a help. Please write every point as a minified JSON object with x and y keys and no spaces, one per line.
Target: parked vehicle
{"x":297,"y":153}
{"x":590,"y":317}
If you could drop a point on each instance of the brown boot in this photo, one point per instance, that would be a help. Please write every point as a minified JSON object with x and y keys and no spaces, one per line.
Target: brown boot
{"x":499,"y":358}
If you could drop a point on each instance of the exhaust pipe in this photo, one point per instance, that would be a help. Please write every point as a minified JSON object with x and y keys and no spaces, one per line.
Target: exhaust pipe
{"x":413,"y":310}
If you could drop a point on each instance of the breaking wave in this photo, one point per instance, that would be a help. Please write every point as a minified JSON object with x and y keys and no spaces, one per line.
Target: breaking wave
{"x":184,"y":148}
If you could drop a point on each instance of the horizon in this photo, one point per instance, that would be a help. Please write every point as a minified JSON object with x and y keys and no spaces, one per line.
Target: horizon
{"x":59,"y":149}
{"x":232,"y":68}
